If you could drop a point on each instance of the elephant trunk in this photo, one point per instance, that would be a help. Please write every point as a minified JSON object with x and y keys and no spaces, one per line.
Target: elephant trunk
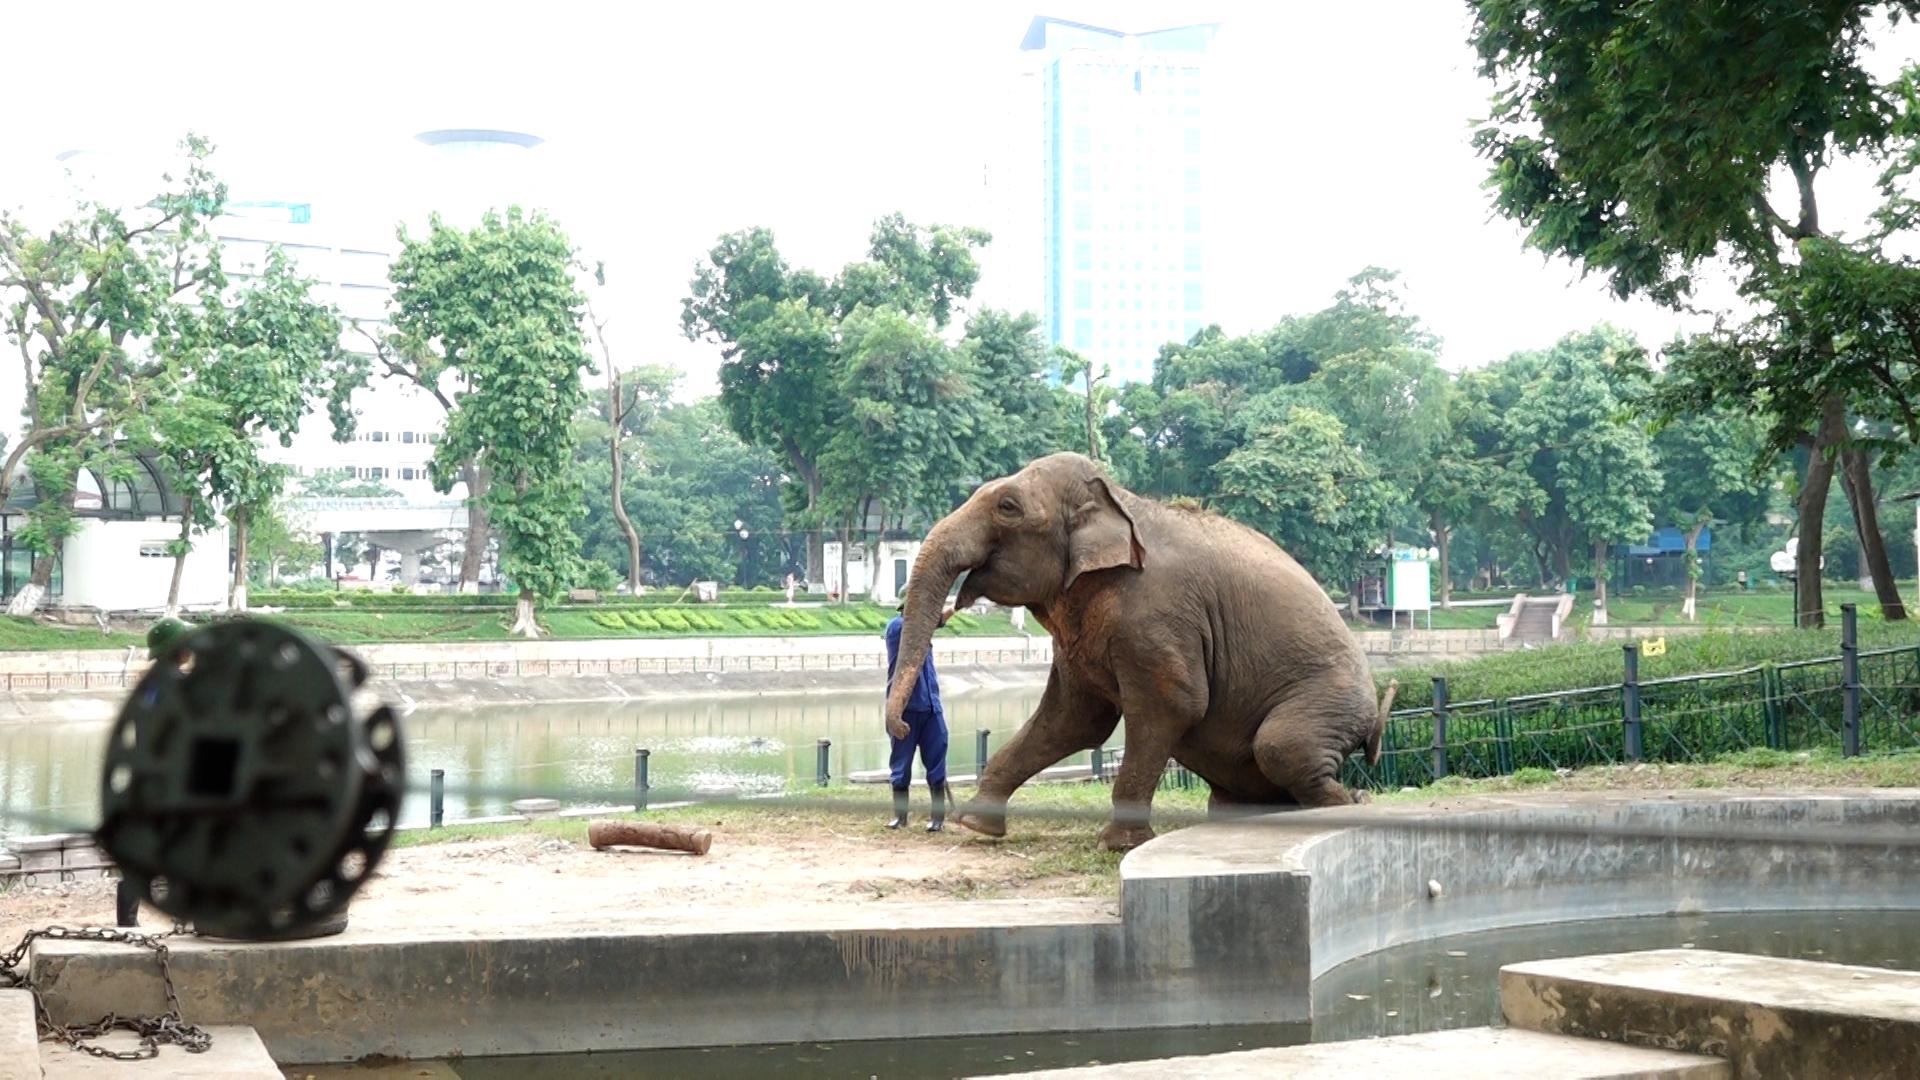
{"x":956,"y":544}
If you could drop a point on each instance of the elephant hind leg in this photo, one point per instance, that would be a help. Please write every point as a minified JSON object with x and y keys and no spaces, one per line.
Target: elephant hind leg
{"x":1300,"y":747}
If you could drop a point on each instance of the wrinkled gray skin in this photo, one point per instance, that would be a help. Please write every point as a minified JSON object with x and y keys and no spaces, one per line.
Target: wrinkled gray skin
{"x":1220,"y":651}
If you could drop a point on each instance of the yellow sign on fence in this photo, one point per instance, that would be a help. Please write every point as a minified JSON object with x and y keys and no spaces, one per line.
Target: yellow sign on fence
{"x":1654,"y":647}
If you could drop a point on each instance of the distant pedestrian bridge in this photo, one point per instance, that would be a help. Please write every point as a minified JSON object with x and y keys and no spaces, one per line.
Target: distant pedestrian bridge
{"x":379,"y":515}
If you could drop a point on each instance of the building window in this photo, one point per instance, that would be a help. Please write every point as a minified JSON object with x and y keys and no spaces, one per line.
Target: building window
{"x":1193,"y":180}
{"x":154,"y":549}
{"x":1083,"y":333}
{"x":1193,"y":296}
{"x":406,"y":436}
{"x":1082,"y":255}
{"x":1192,"y":329}
{"x":1193,"y":140}
{"x":1082,"y":139}
{"x":1082,"y":214}
{"x":376,"y":436}
{"x":1193,"y":219}
{"x":1083,"y":177}
{"x":1193,"y":262}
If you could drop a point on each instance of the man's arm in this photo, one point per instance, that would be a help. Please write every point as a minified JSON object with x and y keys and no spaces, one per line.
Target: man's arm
{"x":893,"y":649}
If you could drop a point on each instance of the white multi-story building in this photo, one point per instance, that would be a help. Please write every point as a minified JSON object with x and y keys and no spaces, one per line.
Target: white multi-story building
{"x":347,"y":257}
{"x":1101,"y":194}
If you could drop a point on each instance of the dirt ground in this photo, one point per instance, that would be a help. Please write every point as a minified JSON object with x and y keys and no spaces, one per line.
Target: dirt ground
{"x":534,"y":879}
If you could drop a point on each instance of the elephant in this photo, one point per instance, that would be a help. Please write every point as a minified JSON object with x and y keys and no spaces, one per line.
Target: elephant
{"x":1217,"y":648}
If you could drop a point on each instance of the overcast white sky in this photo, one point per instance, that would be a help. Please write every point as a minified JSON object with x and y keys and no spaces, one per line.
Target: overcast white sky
{"x":1347,"y":126}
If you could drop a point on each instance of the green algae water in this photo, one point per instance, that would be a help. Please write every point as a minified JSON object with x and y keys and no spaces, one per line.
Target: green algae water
{"x":1430,"y":986}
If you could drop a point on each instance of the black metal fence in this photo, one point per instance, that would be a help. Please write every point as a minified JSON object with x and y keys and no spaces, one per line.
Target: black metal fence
{"x":1855,"y":702}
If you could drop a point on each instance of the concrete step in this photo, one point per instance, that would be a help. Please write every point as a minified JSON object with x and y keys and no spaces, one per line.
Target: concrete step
{"x":1769,"y":1017}
{"x":1476,"y":1053}
{"x":19,"y":1052}
{"x":237,"y":1054}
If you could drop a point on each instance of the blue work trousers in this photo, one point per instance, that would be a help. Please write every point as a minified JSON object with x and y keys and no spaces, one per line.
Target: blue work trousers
{"x":926,"y":731}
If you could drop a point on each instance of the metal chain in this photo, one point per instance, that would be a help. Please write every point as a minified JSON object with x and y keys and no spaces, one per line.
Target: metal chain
{"x":169,"y":1027}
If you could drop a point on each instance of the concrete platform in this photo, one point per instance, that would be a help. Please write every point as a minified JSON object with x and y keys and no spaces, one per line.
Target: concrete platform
{"x":237,"y":1054}
{"x":1462,"y":1054}
{"x":19,"y":1037}
{"x":1769,"y":1017}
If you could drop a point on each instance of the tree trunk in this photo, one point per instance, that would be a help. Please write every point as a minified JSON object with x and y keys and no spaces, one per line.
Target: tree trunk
{"x":478,"y":527}
{"x":846,"y":541}
{"x":1692,"y":607}
{"x":180,"y":557}
{"x":524,"y":623}
{"x":616,"y":417}
{"x":237,"y":595}
{"x":1856,"y":479}
{"x":1809,"y":604}
{"x":1443,"y":541}
{"x":1093,"y":436}
{"x":1599,"y":583}
{"x":606,"y":834}
{"x":1562,"y":563}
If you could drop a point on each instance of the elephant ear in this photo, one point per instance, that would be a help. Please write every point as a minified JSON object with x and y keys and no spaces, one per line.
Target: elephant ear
{"x":1101,"y":535}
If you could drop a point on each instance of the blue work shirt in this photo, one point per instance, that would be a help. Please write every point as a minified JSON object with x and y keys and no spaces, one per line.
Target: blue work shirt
{"x":926,"y":690}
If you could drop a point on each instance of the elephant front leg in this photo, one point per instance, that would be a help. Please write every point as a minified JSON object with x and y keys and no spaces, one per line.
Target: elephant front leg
{"x":1067,"y":719}
{"x":1159,"y":712}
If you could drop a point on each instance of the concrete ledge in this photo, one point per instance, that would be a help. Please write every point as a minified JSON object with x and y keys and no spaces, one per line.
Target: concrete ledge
{"x":1463,"y":1054}
{"x":1770,"y":1017}
{"x":1525,"y":861}
{"x":924,"y":970}
{"x":19,"y":1037}
{"x":236,"y":1054}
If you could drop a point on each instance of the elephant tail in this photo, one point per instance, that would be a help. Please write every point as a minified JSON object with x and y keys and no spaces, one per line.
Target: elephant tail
{"x":1380,"y":722}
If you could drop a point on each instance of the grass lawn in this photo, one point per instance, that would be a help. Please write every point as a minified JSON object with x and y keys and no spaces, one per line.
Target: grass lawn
{"x":29,"y":635}
{"x":1758,"y":608}
{"x":1748,"y":769}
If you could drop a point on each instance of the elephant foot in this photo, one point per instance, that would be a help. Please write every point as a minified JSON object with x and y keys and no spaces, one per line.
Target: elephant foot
{"x":1118,"y":837}
{"x":1361,"y":796}
{"x":986,"y":822}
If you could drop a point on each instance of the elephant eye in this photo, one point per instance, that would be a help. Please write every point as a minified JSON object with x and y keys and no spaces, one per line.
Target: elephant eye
{"x":1009,"y":505}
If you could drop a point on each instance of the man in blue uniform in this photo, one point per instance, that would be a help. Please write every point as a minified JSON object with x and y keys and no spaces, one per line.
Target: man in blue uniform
{"x":926,"y":730}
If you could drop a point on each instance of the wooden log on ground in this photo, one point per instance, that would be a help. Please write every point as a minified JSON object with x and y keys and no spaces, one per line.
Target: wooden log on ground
{"x":648,"y":834}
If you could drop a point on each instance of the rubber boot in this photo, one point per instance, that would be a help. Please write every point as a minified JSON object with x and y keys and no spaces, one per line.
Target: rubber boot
{"x":899,"y":809}
{"x":939,"y":818}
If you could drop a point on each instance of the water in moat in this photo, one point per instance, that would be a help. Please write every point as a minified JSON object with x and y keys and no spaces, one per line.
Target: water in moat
{"x":1431,"y":986}
{"x":749,"y":744}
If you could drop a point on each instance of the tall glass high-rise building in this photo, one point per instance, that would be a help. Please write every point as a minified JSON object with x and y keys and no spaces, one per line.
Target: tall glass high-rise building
{"x":1117,"y":123}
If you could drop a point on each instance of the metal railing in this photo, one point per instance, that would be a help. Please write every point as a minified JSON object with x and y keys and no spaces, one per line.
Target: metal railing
{"x":1857,"y":702}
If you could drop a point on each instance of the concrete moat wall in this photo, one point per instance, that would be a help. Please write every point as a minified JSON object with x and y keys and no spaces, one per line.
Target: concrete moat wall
{"x":1223,"y":923}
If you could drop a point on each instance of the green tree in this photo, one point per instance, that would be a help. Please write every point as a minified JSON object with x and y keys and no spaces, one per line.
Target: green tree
{"x":497,"y":305}
{"x":248,"y":368}
{"x":780,"y":335}
{"x":1636,"y":140}
{"x":91,"y":304}
{"x":1303,"y":483}
{"x":1569,"y":430}
{"x":1708,"y":462}
{"x":277,"y":545}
